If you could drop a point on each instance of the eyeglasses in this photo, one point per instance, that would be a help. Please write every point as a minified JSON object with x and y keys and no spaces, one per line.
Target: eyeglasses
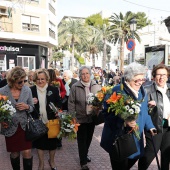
{"x":139,"y":80}
{"x":161,"y":75}
{"x":20,"y":82}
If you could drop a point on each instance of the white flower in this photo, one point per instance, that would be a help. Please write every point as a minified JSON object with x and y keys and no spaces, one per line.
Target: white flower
{"x":127,"y":107}
{"x":90,"y":95}
{"x":137,"y":109}
{"x":11,"y":113}
{"x":131,"y":102}
{"x":133,"y":105}
{"x":67,"y":130}
{"x":91,"y":98}
{"x":131,"y":111}
{"x":68,"y":125}
{"x":9,"y":102}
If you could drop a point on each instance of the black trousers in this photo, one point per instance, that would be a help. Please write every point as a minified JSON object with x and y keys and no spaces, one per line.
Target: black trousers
{"x":121,"y":165}
{"x":162,"y":143}
{"x":84,"y":138}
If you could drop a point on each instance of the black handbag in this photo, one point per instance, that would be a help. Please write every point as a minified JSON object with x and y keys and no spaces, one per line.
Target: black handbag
{"x":124,"y":146}
{"x":35,"y":128}
{"x":98,"y":119}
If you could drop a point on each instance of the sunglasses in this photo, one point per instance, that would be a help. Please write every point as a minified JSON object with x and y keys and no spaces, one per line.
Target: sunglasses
{"x":139,"y":80}
{"x":20,"y":82}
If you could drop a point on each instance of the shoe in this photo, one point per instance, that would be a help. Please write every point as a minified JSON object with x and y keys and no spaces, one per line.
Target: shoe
{"x":84,"y":167}
{"x":55,"y":168}
{"x":88,"y":159}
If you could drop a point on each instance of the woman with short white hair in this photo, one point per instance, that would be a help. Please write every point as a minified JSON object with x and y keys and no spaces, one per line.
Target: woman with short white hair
{"x":68,"y":82}
{"x":115,"y":126}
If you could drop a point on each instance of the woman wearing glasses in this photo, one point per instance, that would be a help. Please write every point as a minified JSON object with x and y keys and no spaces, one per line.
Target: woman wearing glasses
{"x":21,"y":99}
{"x":115,"y":126}
{"x":43,"y":94}
{"x":159,"y":102}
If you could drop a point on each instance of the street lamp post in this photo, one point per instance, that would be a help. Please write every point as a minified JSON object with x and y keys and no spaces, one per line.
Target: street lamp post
{"x":133,"y":23}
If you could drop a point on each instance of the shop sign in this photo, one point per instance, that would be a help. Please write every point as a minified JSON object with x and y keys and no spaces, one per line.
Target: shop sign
{"x":5,"y":48}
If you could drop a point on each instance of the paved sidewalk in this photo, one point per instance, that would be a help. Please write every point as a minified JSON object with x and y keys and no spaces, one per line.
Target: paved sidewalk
{"x":67,"y":158}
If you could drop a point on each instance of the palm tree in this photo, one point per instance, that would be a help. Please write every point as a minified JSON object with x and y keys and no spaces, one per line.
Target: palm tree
{"x":120,"y":29}
{"x":72,"y":31}
{"x":93,"y":44}
{"x":105,"y":35}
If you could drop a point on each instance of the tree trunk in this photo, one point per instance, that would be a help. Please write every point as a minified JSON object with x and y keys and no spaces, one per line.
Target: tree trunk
{"x":104,"y":54}
{"x":122,"y":42}
{"x":72,"y":58}
{"x":93,"y":60}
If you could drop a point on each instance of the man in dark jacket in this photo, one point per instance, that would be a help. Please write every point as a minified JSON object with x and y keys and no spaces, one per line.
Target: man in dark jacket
{"x":159,"y":102}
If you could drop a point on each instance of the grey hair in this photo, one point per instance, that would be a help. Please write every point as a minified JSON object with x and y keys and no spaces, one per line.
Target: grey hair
{"x":69,"y":73}
{"x":84,"y":67}
{"x":133,"y":70}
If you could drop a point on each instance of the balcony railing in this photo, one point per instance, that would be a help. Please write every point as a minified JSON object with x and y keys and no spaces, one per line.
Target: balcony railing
{"x":51,"y":33}
{"x":51,"y":8}
{"x":5,"y":27}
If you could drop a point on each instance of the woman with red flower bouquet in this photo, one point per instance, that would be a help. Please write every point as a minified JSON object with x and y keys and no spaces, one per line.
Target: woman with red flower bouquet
{"x":126,"y":112}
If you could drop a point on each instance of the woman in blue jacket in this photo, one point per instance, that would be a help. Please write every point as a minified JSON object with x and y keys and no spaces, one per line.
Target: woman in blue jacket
{"x":115,"y":126}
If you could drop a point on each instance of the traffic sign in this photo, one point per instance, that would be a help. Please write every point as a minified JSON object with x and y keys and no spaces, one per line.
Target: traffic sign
{"x":130,"y":44}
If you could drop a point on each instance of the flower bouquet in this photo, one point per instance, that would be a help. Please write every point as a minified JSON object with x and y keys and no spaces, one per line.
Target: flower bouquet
{"x":97,"y":99}
{"x":6,"y":111}
{"x":69,"y":126}
{"x":126,"y":108}
{"x":55,"y":83}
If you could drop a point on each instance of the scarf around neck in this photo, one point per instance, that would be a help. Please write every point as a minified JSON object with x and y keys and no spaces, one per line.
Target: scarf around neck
{"x":41,"y":92}
{"x":87,"y":90}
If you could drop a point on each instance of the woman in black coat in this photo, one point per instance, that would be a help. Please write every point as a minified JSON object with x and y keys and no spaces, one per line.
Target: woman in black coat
{"x":43,"y":94}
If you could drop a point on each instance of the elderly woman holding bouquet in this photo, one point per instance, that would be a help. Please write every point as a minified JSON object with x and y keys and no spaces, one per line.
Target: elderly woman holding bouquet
{"x":20,"y":97}
{"x":126,"y":111}
{"x":43,"y":95}
{"x":77,"y":103}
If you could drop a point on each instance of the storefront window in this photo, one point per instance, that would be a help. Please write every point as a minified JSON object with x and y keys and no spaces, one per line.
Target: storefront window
{"x":27,"y":62}
{"x":2,"y":62}
{"x":31,"y":63}
{"x":42,"y":62}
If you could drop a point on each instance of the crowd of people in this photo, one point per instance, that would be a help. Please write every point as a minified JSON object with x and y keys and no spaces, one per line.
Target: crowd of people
{"x":32,"y":91}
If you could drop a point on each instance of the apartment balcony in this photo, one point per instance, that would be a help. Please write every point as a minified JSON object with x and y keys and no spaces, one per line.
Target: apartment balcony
{"x":51,"y":33}
{"x":51,"y":8}
{"x":6,"y":27}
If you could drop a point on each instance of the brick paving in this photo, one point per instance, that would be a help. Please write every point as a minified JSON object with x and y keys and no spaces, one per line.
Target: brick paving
{"x":67,"y":157}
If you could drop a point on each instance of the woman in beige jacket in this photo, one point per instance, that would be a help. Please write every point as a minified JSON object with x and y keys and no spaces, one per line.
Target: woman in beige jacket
{"x":77,"y":103}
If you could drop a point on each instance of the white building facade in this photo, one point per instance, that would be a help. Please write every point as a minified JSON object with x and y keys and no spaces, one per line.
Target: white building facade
{"x":27,"y":33}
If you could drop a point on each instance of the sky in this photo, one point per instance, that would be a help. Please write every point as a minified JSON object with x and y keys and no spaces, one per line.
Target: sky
{"x":85,"y":8}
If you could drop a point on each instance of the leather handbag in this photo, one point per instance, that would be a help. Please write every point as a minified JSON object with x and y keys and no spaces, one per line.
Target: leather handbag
{"x":124,"y":146}
{"x":35,"y":128}
{"x":54,"y":128}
